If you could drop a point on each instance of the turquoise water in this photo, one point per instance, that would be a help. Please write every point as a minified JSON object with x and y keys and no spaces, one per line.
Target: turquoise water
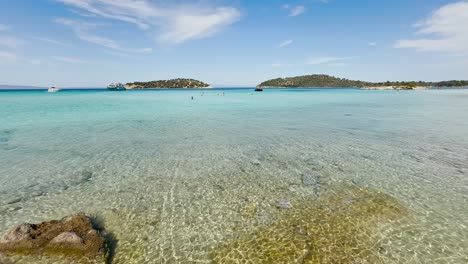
{"x":175,"y":179}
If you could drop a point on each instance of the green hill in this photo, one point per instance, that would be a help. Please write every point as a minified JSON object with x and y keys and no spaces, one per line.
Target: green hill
{"x":321,"y":80}
{"x":316,"y":80}
{"x":175,"y":83}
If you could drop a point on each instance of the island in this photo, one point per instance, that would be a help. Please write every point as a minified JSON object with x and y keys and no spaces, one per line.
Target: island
{"x":169,"y":84}
{"x":327,"y":81}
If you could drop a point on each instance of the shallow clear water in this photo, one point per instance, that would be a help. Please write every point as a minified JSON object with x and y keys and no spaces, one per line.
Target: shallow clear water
{"x":201,"y":181}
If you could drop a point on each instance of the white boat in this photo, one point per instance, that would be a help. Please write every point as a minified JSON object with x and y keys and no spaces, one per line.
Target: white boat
{"x":53,"y":90}
{"x":116,"y":86}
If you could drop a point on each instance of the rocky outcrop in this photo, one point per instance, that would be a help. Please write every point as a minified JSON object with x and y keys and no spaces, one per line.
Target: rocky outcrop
{"x":72,"y":236}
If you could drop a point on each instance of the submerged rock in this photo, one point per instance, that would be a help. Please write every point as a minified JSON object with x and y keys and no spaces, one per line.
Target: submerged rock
{"x":311,"y":180}
{"x":5,"y":135}
{"x":340,"y":227}
{"x":72,"y":236}
{"x":284,"y":204}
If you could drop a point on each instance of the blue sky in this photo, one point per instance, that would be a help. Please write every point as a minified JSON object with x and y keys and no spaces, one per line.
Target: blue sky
{"x":90,"y":43}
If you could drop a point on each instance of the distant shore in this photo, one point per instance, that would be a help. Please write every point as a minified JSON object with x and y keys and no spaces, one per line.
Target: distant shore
{"x":395,"y":88}
{"x":327,"y":81}
{"x":137,"y":87}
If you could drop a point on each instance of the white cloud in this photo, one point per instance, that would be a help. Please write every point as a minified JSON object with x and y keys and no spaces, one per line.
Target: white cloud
{"x":7,"y":56}
{"x":446,"y":30}
{"x":10,"y":42}
{"x":295,"y":10}
{"x":82,"y":31}
{"x":52,"y":41}
{"x":184,"y":27}
{"x":286,"y":43}
{"x":332,"y":61}
{"x":69,"y":60}
{"x":4,"y":27}
{"x":172,"y":23}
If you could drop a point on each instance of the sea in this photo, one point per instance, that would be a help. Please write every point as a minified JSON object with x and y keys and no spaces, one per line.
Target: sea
{"x":237,"y":176}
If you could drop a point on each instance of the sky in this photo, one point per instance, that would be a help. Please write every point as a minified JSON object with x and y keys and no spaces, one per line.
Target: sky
{"x":90,"y":43}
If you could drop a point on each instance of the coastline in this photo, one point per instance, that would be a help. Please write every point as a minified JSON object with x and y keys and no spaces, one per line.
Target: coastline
{"x":285,"y":87}
{"x":383,"y":88}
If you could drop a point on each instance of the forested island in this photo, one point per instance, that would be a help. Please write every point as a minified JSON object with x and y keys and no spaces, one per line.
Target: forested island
{"x":174,"y":83}
{"x":321,"y":80}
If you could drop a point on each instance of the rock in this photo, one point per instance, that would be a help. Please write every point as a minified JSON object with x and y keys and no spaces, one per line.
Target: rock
{"x":13,"y":201}
{"x":256,"y":163}
{"x":284,"y":204}
{"x":17,"y":233}
{"x":86,"y":175}
{"x":5,"y":135}
{"x":37,"y":194}
{"x":3,"y":259}
{"x":72,"y":236}
{"x":310,"y":179}
{"x":67,"y":238}
{"x":15,"y":208}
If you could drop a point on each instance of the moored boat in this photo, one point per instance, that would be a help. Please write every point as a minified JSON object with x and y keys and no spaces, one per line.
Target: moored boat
{"x":259,"y":89}
{"x":53,"y":90}
{"x":116,"y":87}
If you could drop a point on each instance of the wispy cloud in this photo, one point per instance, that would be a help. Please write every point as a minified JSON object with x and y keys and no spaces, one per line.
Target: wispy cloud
{"x":184,"y":27}
{"x":373,"y":44}
{"x":332,"y":61}
{"x":82,"y":31}
{"x":124,"y":10}
{"x":172,"y":23}
{"x":11,"y":42}
{"x":52,"y":41}
{"x":4,"y":55}
{"x":446,"y":29}
{"x":286,"y":43}
{"x":69,"y":60}
{"x":295,"y":10}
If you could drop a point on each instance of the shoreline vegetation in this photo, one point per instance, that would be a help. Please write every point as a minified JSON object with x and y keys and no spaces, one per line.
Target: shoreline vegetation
{"x":327,"y":81}
{"x":169,"y":84}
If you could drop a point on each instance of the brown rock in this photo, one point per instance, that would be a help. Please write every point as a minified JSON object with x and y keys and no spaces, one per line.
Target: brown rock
{"x":67,"y":239}
{"x":18,"y":233}
{"x":73,"y":235}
